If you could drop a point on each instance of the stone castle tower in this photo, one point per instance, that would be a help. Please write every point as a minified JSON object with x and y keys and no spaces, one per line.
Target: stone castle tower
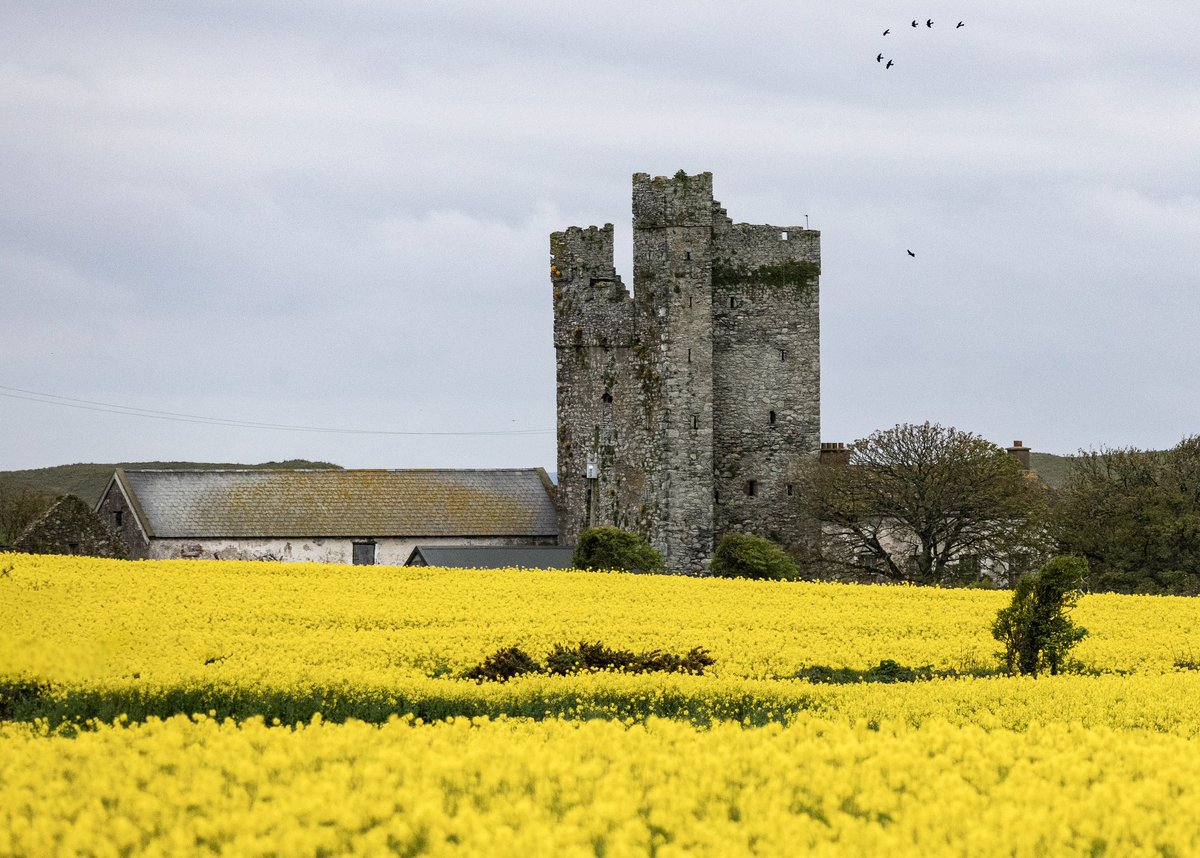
{"x":685,"y":410}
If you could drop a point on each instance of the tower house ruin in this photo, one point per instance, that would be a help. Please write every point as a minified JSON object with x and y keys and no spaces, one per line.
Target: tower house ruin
{"x":686,"y":408}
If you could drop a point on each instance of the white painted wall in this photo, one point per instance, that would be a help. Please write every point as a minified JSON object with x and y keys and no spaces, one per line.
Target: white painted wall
{"x":388,"y":552}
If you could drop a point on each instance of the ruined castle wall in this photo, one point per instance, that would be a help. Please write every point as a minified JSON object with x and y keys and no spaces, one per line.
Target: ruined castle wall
{"x":766,"y":383}
{"x":601,"y":403}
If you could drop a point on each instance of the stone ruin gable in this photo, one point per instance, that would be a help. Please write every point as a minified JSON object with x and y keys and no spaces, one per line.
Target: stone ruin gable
{"x":670,"y":391}
{"x":603,"y":396}
{"x":70,"y":527}
{"x":117,"y":512}
{"x":767,"y":380}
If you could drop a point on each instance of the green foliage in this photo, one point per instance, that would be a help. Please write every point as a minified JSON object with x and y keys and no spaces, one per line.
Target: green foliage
{"x":587,"y":656}
{"x":19,"y":695}
{"x":742,"y":555}
{"x":19,"y":508}
{"x":610,"y":548}
{"x":1135,"y":515}
{"x":1035,"y":629}
{"x":596,"y":656}
{"x":916,"y":502}
{"x":504,"y":664}
{"x":886,"y":671}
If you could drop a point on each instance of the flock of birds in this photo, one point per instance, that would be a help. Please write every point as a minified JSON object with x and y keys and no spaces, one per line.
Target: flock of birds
{"x":890,"y":63}
{"x":915,"y":23}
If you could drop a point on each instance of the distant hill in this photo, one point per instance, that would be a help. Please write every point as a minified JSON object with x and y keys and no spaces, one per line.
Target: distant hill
{"x":1051,"y":467}
{"x":87,"y":481}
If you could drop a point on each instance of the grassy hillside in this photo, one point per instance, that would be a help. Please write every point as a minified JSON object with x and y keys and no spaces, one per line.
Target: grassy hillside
{"x":1051,"y":468}
{"x":87,"y":481}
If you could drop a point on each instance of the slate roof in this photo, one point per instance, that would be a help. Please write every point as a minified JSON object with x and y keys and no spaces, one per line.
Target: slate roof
{"x":492,"y":556}
{"x":332,"y":503}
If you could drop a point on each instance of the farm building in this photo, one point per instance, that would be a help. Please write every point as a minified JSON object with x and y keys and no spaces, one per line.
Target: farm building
{"x":69,"y":527}
{"x":328,"y":516}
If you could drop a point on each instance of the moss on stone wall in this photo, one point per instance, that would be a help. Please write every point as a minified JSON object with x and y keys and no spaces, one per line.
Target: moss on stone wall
{"x":794,"y":273}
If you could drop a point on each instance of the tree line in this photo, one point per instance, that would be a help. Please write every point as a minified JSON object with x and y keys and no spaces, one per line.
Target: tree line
{"x":929,"y":504}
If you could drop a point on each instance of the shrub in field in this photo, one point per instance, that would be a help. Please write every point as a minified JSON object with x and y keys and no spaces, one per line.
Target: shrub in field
{"x":18,"y":693}
{"x":603,"y":548}
{"x":742,"y":555}
{"x":1035,"y":629}
{"x":504,"y":664}
{"x":886,"y":671}
{"x":584,"y":656}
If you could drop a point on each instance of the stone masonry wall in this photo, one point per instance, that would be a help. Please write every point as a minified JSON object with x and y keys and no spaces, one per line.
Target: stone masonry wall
{"x":669,"y":392}
{"x":672,"y":275}
{"x":137,"y":547}
{"x":602,"y":398}
{"x":766,"y":381}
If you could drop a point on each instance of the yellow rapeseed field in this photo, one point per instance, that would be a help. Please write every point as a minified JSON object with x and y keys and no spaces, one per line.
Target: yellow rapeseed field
{"x":66,"y":618}
{"x":750,"y":761}
{"x":555,"y":788}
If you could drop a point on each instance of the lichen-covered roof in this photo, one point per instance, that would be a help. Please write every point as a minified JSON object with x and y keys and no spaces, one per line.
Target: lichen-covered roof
{"x":325,"y":503}
{"x":494,"y":556}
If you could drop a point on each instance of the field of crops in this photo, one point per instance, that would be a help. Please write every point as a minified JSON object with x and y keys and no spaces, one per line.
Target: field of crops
{"x":254,"y":708}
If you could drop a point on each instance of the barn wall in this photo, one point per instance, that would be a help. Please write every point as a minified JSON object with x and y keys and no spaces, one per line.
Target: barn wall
{"x":388,"y":552}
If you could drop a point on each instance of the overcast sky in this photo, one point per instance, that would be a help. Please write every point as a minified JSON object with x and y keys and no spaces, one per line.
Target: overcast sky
{"x":337,"y":214}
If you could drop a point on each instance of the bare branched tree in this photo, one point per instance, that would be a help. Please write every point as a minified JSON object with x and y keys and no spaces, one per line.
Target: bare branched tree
{"x":927,"y":504}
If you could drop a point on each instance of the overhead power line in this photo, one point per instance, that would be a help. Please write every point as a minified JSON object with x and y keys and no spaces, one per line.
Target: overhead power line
{"x":155,"y":414}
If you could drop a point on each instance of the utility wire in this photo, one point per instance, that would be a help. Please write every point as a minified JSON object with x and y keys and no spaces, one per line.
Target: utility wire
{"x":154,"y":414}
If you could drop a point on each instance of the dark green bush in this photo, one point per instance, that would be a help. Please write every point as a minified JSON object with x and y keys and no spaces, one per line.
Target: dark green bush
{"x":1035,"y":629}
{"x":18,"y":694}
{"x":886,"y":671}
{"x":504,"y":664}
{"x":665,"y":662}
{"x":562,"y":660}
{"x":604,"y":548}
{"x":741,"y":555}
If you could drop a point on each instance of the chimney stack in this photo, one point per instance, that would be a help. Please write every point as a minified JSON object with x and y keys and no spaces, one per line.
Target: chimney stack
{"x":1021,"y":452}
{"x":834,"y":453}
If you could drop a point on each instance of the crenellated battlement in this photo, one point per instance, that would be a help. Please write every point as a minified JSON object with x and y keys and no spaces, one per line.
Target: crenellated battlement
{"x":679,"y":200}
{"x":592,"y":307}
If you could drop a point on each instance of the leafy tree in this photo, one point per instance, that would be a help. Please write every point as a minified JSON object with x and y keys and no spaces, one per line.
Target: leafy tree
{"x":603,"y":548}
{"x":742,"y":555}
{"x":927,"y":504}
{"x":1035,"y":629}
{"x":1135,"y":515}
{"x":19,"y":508}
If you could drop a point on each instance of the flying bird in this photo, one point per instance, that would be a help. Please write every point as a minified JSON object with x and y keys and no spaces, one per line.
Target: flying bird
{"x":929,"y":23}
{"x":879,"y":58}
{"x":889,"y":64}
{"x":910,"y":253}
{"x":914,"y":23}
{"x":888,"y":30}
{"x":959,"y":24}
